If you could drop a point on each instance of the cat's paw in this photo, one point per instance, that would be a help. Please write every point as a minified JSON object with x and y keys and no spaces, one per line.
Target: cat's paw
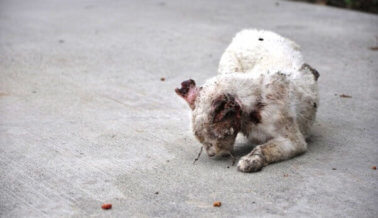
{"x":248,"y":164}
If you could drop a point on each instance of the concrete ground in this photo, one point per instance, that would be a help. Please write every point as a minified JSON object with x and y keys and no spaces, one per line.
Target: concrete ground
{"x":85,"y":118}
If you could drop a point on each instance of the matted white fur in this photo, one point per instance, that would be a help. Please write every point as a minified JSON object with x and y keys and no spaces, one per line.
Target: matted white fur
{"x":260,"y":51}
{"x":264,"y":91}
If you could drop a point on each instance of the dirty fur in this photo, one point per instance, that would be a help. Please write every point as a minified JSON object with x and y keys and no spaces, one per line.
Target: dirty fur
{"x":260,"y":50}
{"x":272,"y":108}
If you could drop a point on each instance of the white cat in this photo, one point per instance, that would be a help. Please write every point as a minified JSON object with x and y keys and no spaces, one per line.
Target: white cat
{"x":273,"y":106}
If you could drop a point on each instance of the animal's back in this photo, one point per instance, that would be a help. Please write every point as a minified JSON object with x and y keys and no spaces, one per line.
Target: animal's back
{"x":260,"y":50}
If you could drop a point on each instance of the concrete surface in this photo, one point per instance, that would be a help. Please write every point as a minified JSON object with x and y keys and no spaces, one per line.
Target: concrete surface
{"x":85,"y":119}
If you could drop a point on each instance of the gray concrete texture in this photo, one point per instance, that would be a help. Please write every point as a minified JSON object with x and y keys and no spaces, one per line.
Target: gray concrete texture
{"x":85,"y":118}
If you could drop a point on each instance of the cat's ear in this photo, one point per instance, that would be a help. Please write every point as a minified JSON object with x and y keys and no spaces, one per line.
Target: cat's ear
{"x":307,"y":68}
{"x":189,"y":92}
{"x":225,"y":107}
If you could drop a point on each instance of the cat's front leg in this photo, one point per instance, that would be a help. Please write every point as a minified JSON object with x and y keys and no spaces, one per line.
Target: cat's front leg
{"x":252,"y":162}
{"x":277,"y":149}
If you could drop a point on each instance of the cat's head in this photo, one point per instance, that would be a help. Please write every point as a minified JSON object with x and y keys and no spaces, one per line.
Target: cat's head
{"x":216,"y":117}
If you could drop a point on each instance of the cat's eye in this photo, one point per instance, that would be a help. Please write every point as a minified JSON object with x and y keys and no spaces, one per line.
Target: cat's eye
{"x":209,"y":145}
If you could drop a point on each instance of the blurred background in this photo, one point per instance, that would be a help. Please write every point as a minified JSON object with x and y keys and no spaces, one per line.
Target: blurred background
{"x":370,"y":6}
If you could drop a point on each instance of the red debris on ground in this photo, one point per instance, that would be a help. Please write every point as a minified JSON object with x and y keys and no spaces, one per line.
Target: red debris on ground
{"x":106,"y":206}
{"x":345,"y":96}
